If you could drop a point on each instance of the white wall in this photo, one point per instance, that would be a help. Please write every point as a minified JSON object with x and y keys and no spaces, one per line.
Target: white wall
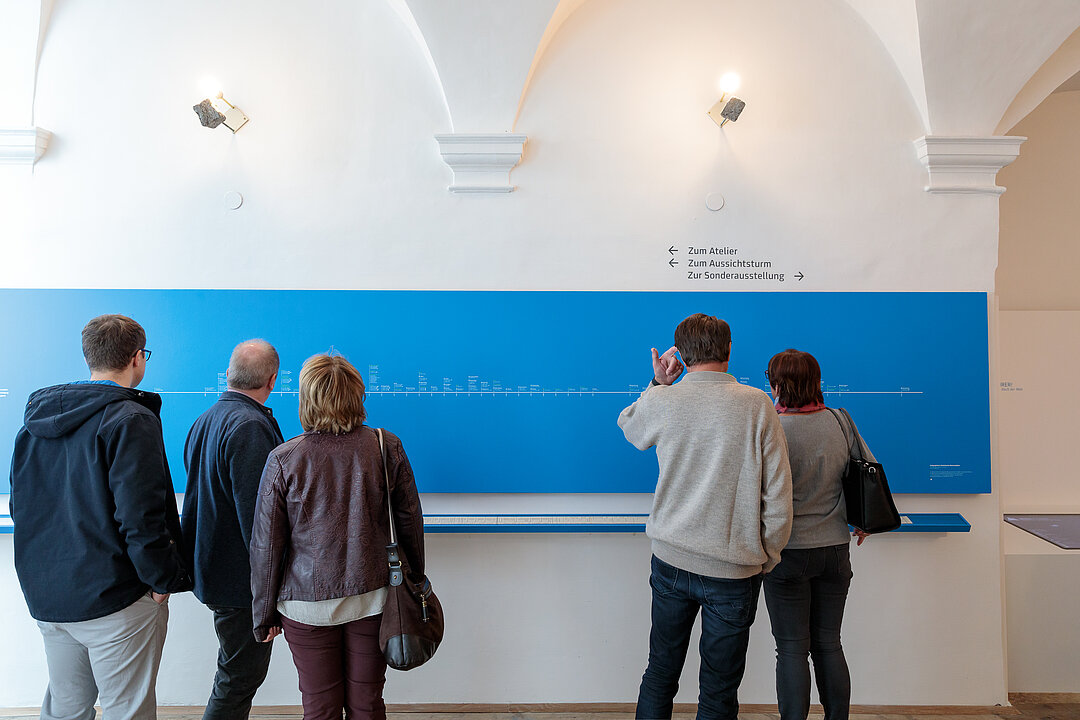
{"x":565,"y":618}
{"x":1042,"y":583}
{"x":819,"y":173}
{"x":1037,"y":428}
{"x":1039,"y":213}
{"x":1037,"y":423}
{"x":344,"y":189}
{"x":1039,"y":337}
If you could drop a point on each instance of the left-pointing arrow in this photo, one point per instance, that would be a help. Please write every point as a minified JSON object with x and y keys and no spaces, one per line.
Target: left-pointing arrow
{"x":672,"y":250}
{"x":672,"y":262}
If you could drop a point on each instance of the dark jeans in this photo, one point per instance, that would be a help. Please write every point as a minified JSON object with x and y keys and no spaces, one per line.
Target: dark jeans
{"x":241,"y":666}
{"x":806,"y":594}
{"x":727,"y":612}
{"x":340,"y":667}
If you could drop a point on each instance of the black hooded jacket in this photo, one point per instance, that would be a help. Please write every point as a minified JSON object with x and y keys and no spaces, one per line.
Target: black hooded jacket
{"x":92,"y":502}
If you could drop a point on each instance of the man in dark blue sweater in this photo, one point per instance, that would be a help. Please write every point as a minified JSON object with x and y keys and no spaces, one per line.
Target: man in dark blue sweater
{"x":97,"y":537}
{"x":224,"y":455}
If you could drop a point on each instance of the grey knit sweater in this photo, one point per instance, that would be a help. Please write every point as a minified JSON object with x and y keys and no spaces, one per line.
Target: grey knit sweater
{"x":722,"y":505}
{"x":818,"y":450}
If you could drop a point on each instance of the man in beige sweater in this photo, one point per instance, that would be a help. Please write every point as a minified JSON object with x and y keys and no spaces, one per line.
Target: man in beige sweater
{"x":721,"y":514}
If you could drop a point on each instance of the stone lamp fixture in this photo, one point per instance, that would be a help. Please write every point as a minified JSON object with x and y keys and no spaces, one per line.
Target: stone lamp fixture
{"x":220,"y":112}
{"x":728,"y":107}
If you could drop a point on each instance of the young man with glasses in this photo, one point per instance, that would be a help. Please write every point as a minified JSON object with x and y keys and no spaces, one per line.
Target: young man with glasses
{"x":97,"y":535}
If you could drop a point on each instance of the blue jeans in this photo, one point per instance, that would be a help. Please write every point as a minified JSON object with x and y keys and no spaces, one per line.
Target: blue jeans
{"x":727,"y":612}
{"x":806,"y":594}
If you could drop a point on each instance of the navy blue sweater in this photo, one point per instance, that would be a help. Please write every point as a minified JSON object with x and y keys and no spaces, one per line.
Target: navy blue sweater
{"x":224,"y":456}
{"x":92,"y":502}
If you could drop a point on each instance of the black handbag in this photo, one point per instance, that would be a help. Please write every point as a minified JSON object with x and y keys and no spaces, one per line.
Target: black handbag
{"x":412,"y":620}
{"x":869,"y":502}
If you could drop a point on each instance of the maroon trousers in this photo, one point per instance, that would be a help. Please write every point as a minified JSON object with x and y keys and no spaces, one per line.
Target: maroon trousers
{"x":340,"y":667}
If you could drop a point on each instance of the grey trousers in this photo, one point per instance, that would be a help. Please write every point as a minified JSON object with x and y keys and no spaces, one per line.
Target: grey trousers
{"x":114,"y":658}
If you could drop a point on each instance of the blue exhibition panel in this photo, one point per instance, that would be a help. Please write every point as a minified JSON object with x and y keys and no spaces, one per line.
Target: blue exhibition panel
{"x":519,"y":391}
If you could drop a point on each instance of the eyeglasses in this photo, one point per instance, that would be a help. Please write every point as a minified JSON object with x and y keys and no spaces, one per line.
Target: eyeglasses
{"x":145,"y":353}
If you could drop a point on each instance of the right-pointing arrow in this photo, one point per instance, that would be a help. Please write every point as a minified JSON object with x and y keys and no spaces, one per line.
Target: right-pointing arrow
{"x":800,"y":276}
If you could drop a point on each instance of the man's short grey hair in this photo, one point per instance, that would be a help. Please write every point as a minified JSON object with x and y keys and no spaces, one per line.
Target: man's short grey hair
{"x":252,"y":364}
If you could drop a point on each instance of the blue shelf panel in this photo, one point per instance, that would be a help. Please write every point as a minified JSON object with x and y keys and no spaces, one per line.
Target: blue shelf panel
{"x":511,"y":523}
{"x":917,"y":522}
{"x":466,"y":529}
{"x":934,"y":522}
{"x":633,"y":523}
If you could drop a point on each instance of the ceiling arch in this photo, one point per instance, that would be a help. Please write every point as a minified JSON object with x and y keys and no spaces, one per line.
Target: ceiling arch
{"x":563,"y":11}
{"x":401,"y":8}
{"x":482,"y":52}
{"x":970,"y":66}
{"x":896,"y":24}
{"x":965,"y":61}
{"x":1062,"y":67}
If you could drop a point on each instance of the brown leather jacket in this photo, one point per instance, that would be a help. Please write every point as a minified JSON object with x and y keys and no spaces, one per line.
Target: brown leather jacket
{"x":321,"y":522}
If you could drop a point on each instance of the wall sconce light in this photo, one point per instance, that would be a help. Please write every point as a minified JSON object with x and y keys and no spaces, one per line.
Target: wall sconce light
{"x":727,"y":108}
{"x":220,"y":111}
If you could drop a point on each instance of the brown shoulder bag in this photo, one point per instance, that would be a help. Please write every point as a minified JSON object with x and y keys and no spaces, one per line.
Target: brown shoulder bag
{"x":412,"y":619}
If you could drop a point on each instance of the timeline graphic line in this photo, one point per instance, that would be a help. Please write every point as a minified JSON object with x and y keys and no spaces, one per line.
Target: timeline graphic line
{"x":431,"y":392}
{"x":871,"y":392}
{"x":515,"y":393}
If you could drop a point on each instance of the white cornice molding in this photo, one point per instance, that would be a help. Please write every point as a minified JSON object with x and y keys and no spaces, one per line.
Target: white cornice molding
{"x":22,"y":145}
{"x":966,"y":164}
{"x":481,"y":161}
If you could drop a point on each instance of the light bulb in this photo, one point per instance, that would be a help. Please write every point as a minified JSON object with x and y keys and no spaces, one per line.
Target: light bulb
{"x":729,"y":83}
{"x":210,"y":88}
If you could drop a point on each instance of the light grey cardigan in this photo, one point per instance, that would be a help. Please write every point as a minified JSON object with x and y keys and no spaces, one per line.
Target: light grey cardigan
{"x":722,"y":505}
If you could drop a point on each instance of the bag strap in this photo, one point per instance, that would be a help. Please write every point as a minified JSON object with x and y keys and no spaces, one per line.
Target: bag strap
{"x":393,"y":559}
{"x":853,"y":443}
{"x":386,"y":476}
{"x":859,"y":442}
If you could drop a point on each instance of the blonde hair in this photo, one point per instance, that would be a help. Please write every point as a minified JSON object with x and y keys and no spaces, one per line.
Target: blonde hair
{"x":331,"y":395}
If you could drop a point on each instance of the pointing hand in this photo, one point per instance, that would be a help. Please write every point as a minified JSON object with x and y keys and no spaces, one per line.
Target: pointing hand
{"x":667,"y":367}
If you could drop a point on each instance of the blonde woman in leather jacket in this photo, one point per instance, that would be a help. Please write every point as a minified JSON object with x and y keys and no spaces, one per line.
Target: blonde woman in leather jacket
{"x":318,"y":547}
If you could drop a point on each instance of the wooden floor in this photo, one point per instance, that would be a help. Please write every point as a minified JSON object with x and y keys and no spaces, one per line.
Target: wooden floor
{"x":1022,"y":709}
